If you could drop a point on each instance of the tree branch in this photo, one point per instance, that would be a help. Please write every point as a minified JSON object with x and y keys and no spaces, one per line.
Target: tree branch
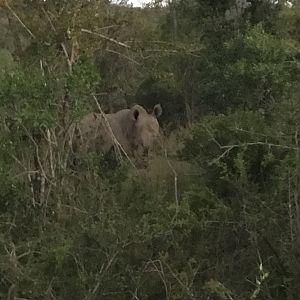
{"x":106,"y":38}
{"x":18,"y":18}
{"x":122,"y":55}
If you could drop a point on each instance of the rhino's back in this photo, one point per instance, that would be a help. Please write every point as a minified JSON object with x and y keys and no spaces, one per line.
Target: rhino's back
{"x":94,"y":131}
{"x":89,"y":123}
{"x":89,"y":134}
{"x":119,"y":123}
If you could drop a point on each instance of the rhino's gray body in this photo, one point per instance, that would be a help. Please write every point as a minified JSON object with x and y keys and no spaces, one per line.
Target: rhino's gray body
{"x":134,"y":129}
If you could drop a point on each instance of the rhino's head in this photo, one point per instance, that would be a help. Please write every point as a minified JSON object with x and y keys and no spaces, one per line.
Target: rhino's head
{"x":145,"y":127}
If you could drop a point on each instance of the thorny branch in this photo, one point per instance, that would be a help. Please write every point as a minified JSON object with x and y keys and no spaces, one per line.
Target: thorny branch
{"x":228,"y":148}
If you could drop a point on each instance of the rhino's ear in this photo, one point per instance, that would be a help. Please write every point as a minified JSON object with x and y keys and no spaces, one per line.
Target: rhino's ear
{"x":157,"y":110}
{"x":134,"y":113}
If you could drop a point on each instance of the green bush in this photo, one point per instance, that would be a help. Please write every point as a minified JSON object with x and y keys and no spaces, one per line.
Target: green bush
{"x":245,"y":163}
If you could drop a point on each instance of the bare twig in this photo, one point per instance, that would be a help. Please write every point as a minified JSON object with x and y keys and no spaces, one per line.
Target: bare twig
{"x":296,"y":200}
{"x":228,"y":148}
{"x":71,"y":58}
{"x":160,"y":271}
{"x":18,"y":162}
{"x":69,"y":62}
{"x":107,"y":27}
{"x":221,"y":156}
{"x":32,"y":188}
{"x":42,"y":190}
{"x":125,"y":56}
{"x":259,"y":143}
{"x":172,"y":51}
{"x":134,"y":295}
{"x":37,"y":150}
{"x":263,"y":275}
{"x":261,"y":134}
{"x":175,"y":276}
{"x":175,"y":184}
{"x":28,"y":173}
{"x":42,"y":68}
{"x":102,"y":272}
{"x":18,"y":18}
{"x":290,"y":206}
{"x":48,"y":18}
{"x":41,"y":168}
{"x":111,"y":134}
{"x":74,"y":52}
{"x":106,"y":38}
{"x":50,"y":153}
{"x":74,"y":208}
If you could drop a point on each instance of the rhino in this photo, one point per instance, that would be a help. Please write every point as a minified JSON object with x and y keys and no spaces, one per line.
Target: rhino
{"x":135,"y":130}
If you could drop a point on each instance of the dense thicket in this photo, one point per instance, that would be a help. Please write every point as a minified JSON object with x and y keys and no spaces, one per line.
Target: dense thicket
{"x":215,"y":214}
